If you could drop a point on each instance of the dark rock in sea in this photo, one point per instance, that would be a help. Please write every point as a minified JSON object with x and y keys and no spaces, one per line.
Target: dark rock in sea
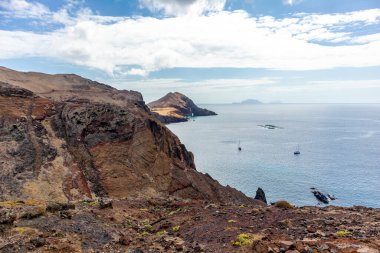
{"x":260,"y":195}
{"x":269,"y":126}
{"x":320,"y":196}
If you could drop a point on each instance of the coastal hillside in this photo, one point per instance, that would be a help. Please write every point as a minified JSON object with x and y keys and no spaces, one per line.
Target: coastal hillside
{"x":176,"y":107}
{"x":65,"y":138}
{"x":69,"y":87}
{"x":87,"y":168}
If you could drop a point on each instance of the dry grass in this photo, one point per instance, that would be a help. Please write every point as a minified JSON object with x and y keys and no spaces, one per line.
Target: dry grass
{"x":167,"y":111}
{"x":283,"y":204}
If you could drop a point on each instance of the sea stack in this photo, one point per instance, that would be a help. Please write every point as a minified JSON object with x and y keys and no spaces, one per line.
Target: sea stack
{"x":260,"y":195}
{"x":176,"y":107}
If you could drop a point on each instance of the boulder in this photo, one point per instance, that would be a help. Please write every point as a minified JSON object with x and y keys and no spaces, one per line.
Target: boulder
{"x":260,"y":195}
{"x":320,"y":196}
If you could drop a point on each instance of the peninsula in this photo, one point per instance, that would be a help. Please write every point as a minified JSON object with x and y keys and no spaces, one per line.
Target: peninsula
{"x":176,"y":107}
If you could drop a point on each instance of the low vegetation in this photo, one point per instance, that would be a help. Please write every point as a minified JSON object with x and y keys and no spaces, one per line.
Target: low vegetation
{"x":244,"y":239}
{"x":176,"y":228}
{"x":343,"y":232}
{"x":283,"y":204}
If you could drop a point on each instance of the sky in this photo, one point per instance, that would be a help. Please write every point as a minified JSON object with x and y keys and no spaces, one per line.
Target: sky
{"x":214,"y":51}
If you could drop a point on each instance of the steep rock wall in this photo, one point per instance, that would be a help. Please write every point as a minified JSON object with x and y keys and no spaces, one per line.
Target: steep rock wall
{"x":57,"y":150}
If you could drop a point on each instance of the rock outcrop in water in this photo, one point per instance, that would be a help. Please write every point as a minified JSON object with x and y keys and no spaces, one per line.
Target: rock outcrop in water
{"x":323,"y":198}
{"x":176,"y":107}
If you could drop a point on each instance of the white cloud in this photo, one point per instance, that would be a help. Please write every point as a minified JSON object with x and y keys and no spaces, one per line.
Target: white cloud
{"x":322,"y":27}
{"x":223,"y":39}
{"x":17,"y":44}
{"x":183,"y":7}
{"x":137,"y":72}
{"x":291,"y":2}
{"x":23,"y":9}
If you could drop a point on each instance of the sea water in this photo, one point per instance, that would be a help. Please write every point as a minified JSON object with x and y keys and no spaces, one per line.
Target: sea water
{"x":339,"y":145}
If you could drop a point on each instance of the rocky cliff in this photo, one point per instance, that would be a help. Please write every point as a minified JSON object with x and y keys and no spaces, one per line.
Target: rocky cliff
{"x":176,"y":107}
{"x":67,"y":138}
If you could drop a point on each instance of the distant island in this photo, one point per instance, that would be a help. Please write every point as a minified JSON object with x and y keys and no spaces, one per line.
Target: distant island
{"x":176,"y":107}
{"x":249,"y":102}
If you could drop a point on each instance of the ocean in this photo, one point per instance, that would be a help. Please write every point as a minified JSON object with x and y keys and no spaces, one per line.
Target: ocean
{"x":339,"y":145}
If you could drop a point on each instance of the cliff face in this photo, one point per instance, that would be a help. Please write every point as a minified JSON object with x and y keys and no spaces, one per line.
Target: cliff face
{"x":176,"y":107}
{"x":56,"y":146}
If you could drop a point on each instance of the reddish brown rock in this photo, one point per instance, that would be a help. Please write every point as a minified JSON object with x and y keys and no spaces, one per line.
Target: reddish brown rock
{"x":64,"y":138}
{"x":176,"y":107}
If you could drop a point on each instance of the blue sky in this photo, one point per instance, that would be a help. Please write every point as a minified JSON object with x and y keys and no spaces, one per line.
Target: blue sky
{"x":215,"y":51}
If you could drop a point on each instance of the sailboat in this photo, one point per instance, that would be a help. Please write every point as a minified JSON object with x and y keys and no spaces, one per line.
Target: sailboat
{"x":297,"y":152}
{"x":239,"y":147}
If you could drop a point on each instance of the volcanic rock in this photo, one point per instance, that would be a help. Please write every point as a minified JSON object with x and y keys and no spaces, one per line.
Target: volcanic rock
{"x":260,"y":195}
{"x":320,"y":196}
{"x":66,"y":138}
{"x":176,"y":107}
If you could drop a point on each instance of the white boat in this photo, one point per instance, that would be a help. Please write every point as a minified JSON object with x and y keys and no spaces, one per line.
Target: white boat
{"x":297,"y":152}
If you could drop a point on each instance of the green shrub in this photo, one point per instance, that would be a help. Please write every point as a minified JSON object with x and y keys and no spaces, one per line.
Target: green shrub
{"x":343,"y":232}
{"x":147,"y":227}
{"x":162,"y":232}
{"x":244,"y":239}
{"x":176,"y":228}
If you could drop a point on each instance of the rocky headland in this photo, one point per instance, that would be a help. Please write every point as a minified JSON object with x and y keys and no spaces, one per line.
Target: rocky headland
{"x":176,"y":107}
{"x":88,"y":168}
{"x":66,"y":138}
